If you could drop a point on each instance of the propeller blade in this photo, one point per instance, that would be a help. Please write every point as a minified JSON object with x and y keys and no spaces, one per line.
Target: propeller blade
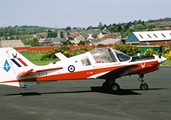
{"x":160,"y":51}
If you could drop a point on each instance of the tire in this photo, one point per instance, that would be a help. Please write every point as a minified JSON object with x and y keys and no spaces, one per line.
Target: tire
{"x":106,"y":86}
{"x":144,"y":86}
{"x":115,"y":87}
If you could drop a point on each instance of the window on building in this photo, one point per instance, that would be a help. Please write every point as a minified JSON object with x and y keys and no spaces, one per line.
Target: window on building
{"x":163,"y":35}
{"x":141,"y":36}
{"x":149,"y":36}
{"x":155,"y":35}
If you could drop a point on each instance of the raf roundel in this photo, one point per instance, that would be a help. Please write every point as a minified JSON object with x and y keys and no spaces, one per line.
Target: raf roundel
{"x":71,"y":68}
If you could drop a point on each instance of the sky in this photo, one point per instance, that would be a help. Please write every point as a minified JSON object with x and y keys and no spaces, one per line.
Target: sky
{"x":80,"y":13}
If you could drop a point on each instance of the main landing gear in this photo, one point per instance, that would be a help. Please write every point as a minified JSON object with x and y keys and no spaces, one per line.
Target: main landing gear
{"x":110,"y":86}
{"x":143,"y":85}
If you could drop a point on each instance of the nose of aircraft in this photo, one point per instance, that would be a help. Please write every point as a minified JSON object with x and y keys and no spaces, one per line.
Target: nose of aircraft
{"x":161,"y":59}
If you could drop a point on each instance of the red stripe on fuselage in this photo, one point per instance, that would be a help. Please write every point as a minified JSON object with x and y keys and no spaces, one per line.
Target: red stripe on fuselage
{"x":76,"y":75}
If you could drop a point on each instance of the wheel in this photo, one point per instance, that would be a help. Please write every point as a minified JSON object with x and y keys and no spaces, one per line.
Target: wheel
{"x":115,"y":87}
{"x":106,"y":85}
{"x":144,"y":86}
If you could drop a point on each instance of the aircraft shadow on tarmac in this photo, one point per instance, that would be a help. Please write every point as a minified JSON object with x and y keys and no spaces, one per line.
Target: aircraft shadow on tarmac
{"x":120,"y":92}
{"x":93,"y":89}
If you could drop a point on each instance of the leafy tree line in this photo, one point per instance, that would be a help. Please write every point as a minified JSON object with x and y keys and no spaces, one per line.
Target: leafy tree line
{"x":123,"y":28}
{"x":9,"y":31}
{"x":160,"y":20}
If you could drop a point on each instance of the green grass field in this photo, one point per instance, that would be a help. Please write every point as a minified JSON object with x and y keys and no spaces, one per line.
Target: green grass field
{"x":166,"y":63}
{"x":35,"y":58}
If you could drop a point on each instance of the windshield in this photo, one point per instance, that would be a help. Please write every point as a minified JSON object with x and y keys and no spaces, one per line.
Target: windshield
{"x":121,"y":56}
{"x":103,"y":55}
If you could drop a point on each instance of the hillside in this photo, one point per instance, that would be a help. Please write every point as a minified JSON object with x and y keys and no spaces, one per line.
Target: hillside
{"x":166,"y":22}
{"x":157,"y":22}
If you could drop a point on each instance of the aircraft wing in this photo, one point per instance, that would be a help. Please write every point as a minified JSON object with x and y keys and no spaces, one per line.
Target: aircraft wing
{"x":116,"y":73}
{"x":31,"y":71}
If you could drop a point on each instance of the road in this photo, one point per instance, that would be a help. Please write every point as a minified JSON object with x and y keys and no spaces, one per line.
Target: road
{"x":85,"y":100}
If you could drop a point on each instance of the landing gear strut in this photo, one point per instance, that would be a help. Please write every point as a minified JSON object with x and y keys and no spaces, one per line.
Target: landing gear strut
{"x":143,"y":85}
{"x":111,"y":86}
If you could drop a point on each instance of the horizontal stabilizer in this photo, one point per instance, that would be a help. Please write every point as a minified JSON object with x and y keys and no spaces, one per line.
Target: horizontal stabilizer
{"x":25,"y":73}
{"x":49,"y":69}
{"x":61,"y":56}
{"x":31,"y":71}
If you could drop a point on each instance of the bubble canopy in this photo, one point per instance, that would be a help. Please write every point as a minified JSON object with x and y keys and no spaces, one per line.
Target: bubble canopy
{"x":108,"y":55}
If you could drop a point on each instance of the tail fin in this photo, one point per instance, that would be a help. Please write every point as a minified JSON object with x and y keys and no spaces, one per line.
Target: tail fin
{"x":12,"y":63}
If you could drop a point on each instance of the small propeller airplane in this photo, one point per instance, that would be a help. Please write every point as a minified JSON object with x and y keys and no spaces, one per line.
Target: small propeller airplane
{"x":101,"y":63}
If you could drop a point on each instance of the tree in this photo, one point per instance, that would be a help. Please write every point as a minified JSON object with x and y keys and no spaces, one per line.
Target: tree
{"x":100,"y":26}
{"x":111,"y":28}
{"x":126,"y":26}
{"x":119,"y":28}
{"x":36,"y":43}
{"x":52,"y":34}
{"x":67,"y":42}
{"x":150,"y":26}
{"x":12,"y":37}
{"x":95,"y":36}
{"x":81,"y":43}
{"x":68,"y":28}
{"x":17,"y":37}
{"x":139,"y":27}
{"x":143,"y":23}
{"x":61,"y":34}
{"x":28,"y":42}
{"x":89,"y":27}
{"x":139,"y":22}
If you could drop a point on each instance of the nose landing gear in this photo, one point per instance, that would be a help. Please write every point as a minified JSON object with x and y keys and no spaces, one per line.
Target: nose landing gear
{"x":143,"y":85}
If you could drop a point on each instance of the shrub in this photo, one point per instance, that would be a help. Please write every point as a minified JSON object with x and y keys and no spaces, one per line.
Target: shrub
{"x":64,"y":50}
{"x":51,"y":54}
{"x":128,"y":49}
{"x":150,"y":52}
{"x":166,"y":49}
{"x":168,"y":55}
